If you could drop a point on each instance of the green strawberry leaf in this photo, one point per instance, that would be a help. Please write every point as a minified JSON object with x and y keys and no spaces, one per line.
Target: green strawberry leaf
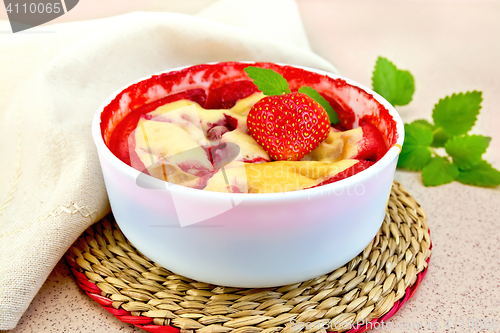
{"x":439,"y":171}
{"x":395,"y":85}
{"x":481,"y":174}
{"x":457,"y":114}
{"x":415,"y":153}
{"x":314,"y":94}
{"x":467,"y":150}
{"x":268,"y":81}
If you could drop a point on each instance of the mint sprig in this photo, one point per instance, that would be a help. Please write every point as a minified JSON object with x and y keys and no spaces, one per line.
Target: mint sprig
{"x":272,"y":83}
{"x":416,"y":153}
{"x":268,"y":81}
{"x":314,"y":94}
{"x":439,"y":171}
{"x":481,"y":174}
{"x":466,"y":150}
{"x":454,"y":116}
{"x":440,"y":137}
{"x":395,"y":85}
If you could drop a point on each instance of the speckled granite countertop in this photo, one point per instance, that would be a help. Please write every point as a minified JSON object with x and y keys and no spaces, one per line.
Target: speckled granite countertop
{"x":449,"y":46}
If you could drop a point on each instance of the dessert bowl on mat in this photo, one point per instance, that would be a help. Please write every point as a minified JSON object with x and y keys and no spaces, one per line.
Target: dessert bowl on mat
{"x":248,"y":239}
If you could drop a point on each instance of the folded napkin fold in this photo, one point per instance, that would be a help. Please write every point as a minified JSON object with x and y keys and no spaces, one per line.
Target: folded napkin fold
{"x":51,"y":188}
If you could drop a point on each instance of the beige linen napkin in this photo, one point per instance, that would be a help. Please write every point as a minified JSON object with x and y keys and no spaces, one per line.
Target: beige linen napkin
{"x":51,"y":84}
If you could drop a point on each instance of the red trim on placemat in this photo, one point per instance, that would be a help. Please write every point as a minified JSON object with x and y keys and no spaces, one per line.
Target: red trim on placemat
{"x":142,"y":322}
{"x":397,"y":305}
{"x":104,"y":301}
{"x":145,"y":322}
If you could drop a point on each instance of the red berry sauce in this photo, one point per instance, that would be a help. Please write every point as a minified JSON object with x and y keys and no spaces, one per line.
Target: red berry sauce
{"x":220,"y":86}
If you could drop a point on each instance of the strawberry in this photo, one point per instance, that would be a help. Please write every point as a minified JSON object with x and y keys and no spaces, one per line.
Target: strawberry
{"x":288,"y":126}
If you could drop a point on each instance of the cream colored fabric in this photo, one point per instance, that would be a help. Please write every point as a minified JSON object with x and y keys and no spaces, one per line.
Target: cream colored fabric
{"x":51,"y":188}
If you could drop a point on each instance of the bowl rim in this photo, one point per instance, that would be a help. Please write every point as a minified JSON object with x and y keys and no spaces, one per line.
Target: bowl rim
{"x":348,"y":182}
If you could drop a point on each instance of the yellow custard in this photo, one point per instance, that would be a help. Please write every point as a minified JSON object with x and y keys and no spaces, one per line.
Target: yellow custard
{"x":173,"y":142}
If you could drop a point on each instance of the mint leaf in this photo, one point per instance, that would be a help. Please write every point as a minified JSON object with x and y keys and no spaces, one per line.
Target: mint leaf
{"x":481,"y":174}
{"x":314,"y":94}
{"x":395,"y":85}
{"x":268,"y":81}
{"x":440,"y":137}
{"x":456,"y":114}
{"x":424,"y":122}
{"x":414,"y":157}
{"x":418,"y":134}
{"x":466,"y":150}
{"x":439,"y":171}
{"x":415,"y":153}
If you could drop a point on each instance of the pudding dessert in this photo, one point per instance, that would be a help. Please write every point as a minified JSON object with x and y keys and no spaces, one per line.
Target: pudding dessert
{"x":201,"y":131}
{"x":322,"y":210}
{"x":185,"y":144}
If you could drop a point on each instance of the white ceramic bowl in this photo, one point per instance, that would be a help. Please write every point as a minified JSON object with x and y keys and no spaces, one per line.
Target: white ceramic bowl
{"x":250,"y":240}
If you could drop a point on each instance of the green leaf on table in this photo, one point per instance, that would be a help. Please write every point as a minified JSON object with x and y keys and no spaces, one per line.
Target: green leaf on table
{"x":415,"y":153}
{"x":456,"y":114}
{"x":439,"y":171}
{"x":268,"y":81}
{"x":481,"y":174}
{"x":467,"y":150}
{"x":424,"y":123}
{"x":418,"y":134}
{"x":314,"y":94}
{"x":395,"y":85}
{"x":440,"y":137}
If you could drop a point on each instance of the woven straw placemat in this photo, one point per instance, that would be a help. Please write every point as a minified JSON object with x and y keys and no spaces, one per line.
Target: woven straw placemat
{"x":355,"y":297}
